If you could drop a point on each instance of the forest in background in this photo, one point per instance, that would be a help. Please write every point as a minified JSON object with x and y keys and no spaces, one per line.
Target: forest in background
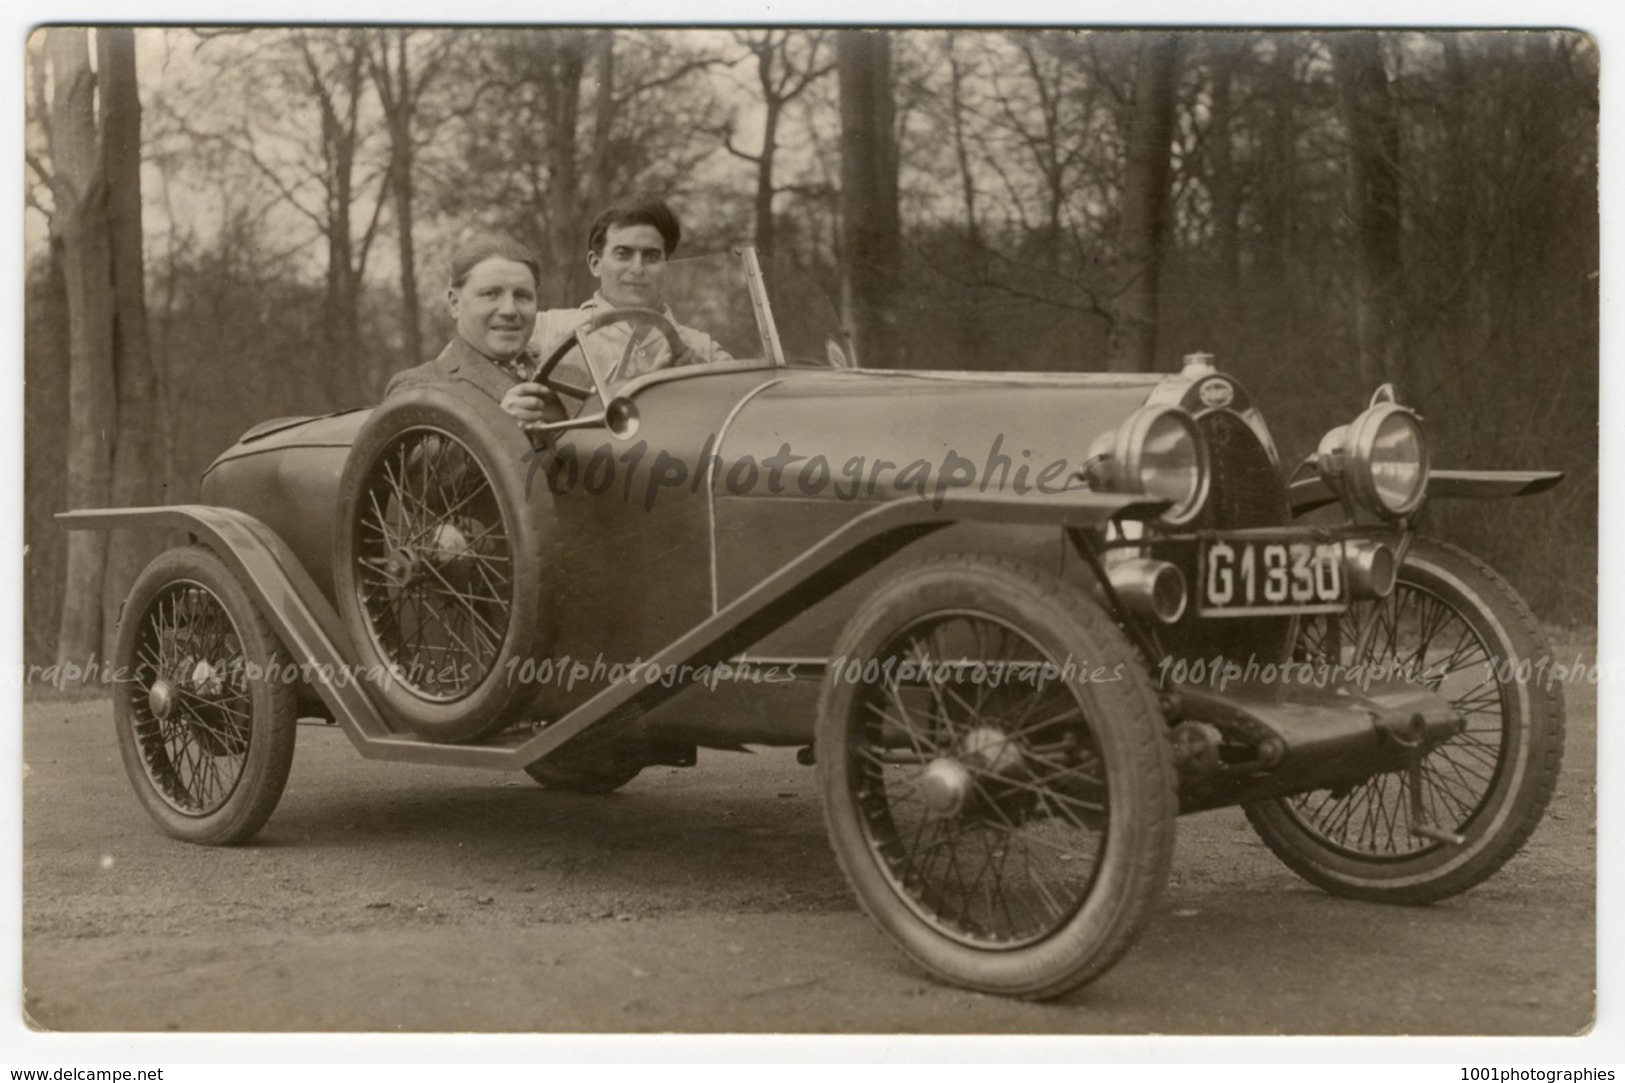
{"x":264,"y":215}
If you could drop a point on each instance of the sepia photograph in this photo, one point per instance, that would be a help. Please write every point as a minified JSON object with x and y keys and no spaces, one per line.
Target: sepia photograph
{"x":810,"y":530}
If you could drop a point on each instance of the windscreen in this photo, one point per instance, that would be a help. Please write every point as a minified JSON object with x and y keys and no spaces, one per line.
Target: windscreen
{"x":714,"y":294}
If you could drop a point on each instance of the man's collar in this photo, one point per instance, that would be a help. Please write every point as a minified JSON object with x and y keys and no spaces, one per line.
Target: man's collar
{"x":461,"y":356}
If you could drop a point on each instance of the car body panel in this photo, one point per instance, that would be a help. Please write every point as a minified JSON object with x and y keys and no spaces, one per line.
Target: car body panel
{"x":287,"y":477}
{"x":657,"y":534}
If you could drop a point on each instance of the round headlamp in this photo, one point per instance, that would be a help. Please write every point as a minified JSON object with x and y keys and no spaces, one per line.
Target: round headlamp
{"x":1382,"y":457}
{"x":1160,"y":452}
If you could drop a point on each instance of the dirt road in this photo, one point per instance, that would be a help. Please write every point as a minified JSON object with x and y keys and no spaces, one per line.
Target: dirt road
{"x":386,"y":897}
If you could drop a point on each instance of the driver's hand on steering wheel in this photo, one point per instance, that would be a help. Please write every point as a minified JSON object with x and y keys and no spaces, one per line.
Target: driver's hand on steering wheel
{"x":533,"y":402}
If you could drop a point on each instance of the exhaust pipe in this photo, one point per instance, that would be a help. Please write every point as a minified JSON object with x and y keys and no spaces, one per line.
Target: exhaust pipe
{"x":1151,"y":588}
{"x":1370,"y":568}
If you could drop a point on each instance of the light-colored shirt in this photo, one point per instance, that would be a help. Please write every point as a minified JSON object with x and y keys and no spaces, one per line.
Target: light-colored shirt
{"x":607,"y":346}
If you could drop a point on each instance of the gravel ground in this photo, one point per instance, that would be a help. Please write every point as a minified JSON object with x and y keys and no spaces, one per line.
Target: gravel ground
{"x":387,"y":897}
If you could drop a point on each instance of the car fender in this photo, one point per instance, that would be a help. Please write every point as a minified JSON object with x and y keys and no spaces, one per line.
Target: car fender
{"x":312,"y":632}
{"x":1310,"y":493}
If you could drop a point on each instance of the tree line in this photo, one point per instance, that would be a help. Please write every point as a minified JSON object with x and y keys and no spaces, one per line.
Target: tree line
{"x":237,"y":224}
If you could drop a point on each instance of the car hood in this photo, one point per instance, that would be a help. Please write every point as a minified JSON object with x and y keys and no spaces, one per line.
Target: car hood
{"x":901,"y":432}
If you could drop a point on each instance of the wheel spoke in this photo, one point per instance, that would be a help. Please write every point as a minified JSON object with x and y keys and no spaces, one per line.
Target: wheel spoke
{"x":1016,"y":858}
{"x":1430,"y":640}
{"x":434,"y":573}
{"x":196,"y":753}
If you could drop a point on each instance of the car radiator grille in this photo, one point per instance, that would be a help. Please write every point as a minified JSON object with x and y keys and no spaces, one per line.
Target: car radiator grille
{"x":1247,"y":491}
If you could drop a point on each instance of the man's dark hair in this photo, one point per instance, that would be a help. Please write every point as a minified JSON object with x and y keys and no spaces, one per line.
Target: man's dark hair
{"x":484,"y":246}
{"x":636,"y":212}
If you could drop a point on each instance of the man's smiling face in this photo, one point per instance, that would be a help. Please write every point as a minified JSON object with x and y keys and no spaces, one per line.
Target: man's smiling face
{"x":631,"y":267}
{"x":495,"y":307}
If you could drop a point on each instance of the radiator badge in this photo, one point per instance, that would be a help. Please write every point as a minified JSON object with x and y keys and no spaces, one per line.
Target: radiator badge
{"x":1215,"y":393}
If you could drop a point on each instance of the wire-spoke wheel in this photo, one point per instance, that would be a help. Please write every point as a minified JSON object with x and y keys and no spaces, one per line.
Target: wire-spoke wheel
{"x":434,"y":565}
{"x":1457,"y":627}
{"x":205,"y":712}
{"x":1007,"y":820}
{"x":438,"y":561}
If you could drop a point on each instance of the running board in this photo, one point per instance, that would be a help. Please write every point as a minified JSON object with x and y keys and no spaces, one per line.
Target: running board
{"x":312,"y":632}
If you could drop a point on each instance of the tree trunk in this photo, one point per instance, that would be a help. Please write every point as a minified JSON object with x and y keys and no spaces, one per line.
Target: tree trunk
{"x":1373,"y":200}
{"x":399,"y":92}
{"x":1133,"y":340}
{"x":1222,"y":181}
{"x":871,"y":232}
{"x":411,"y":316}
{"x":133,"y":460}
{"x":81,"y":224}
{"x":765,"y":238}
{"x":600,"y":185}
{"x":1278,"y":178}
{"x":343,"y":297}
{"x":400,"y":106}
{"x":354,"y":375}
{"x":967,"y":178}
{"x":565,"y":252}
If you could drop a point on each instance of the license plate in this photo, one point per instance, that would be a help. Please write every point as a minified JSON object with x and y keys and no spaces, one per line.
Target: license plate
{"x":1250,"y":577}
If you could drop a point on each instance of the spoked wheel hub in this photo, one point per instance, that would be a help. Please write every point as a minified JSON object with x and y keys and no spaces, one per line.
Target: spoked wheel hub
{"x":161,"y":699}
{"x":945,"y":786}
{"x":986,"y":777}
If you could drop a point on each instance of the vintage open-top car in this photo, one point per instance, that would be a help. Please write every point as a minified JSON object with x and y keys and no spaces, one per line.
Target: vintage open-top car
{"x":1020,"y":621}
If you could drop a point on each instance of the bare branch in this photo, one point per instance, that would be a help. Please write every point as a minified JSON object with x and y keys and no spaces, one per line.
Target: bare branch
{"x":670,"y":77}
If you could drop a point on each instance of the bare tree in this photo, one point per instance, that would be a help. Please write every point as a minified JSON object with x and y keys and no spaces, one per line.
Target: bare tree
{"x":601,"y":175}
{"x":560,"y":122}
{"x":300,"y":115}
{"x":783,"y":74}
{"x":957,"y":106}
{"x":1133,"y":346}
{"x":562,"y":60}
{"x":134,"y":384}
{"x":870,"y":225}
{"x":79,"y":196}
{"x":1223,"y":182}
{"x":1373,"y":200}
{"x":403,"y":76}
{"x":334,"y":76}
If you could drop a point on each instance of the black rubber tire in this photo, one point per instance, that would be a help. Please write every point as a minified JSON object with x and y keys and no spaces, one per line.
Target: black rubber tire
{"x":1127,"y":738}
{"x":1522,"y":768}
{"x":191,"y":587}
{"x":492,"y":699}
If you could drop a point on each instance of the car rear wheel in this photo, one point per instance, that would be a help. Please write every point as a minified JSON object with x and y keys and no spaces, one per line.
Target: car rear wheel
{"x":205,"y":714}
{"x":1457,"y":626}
{"x":439,"y":561}
{"x":1008,"y":822}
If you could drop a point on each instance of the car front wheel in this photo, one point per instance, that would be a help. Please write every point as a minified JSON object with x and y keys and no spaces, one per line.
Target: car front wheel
{"x":1458,"y":627}
{"x":205,"y":709}
{"x":996,"y":777}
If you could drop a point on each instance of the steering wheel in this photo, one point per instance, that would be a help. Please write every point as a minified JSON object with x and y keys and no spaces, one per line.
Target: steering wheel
{"x":639,"y":318}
